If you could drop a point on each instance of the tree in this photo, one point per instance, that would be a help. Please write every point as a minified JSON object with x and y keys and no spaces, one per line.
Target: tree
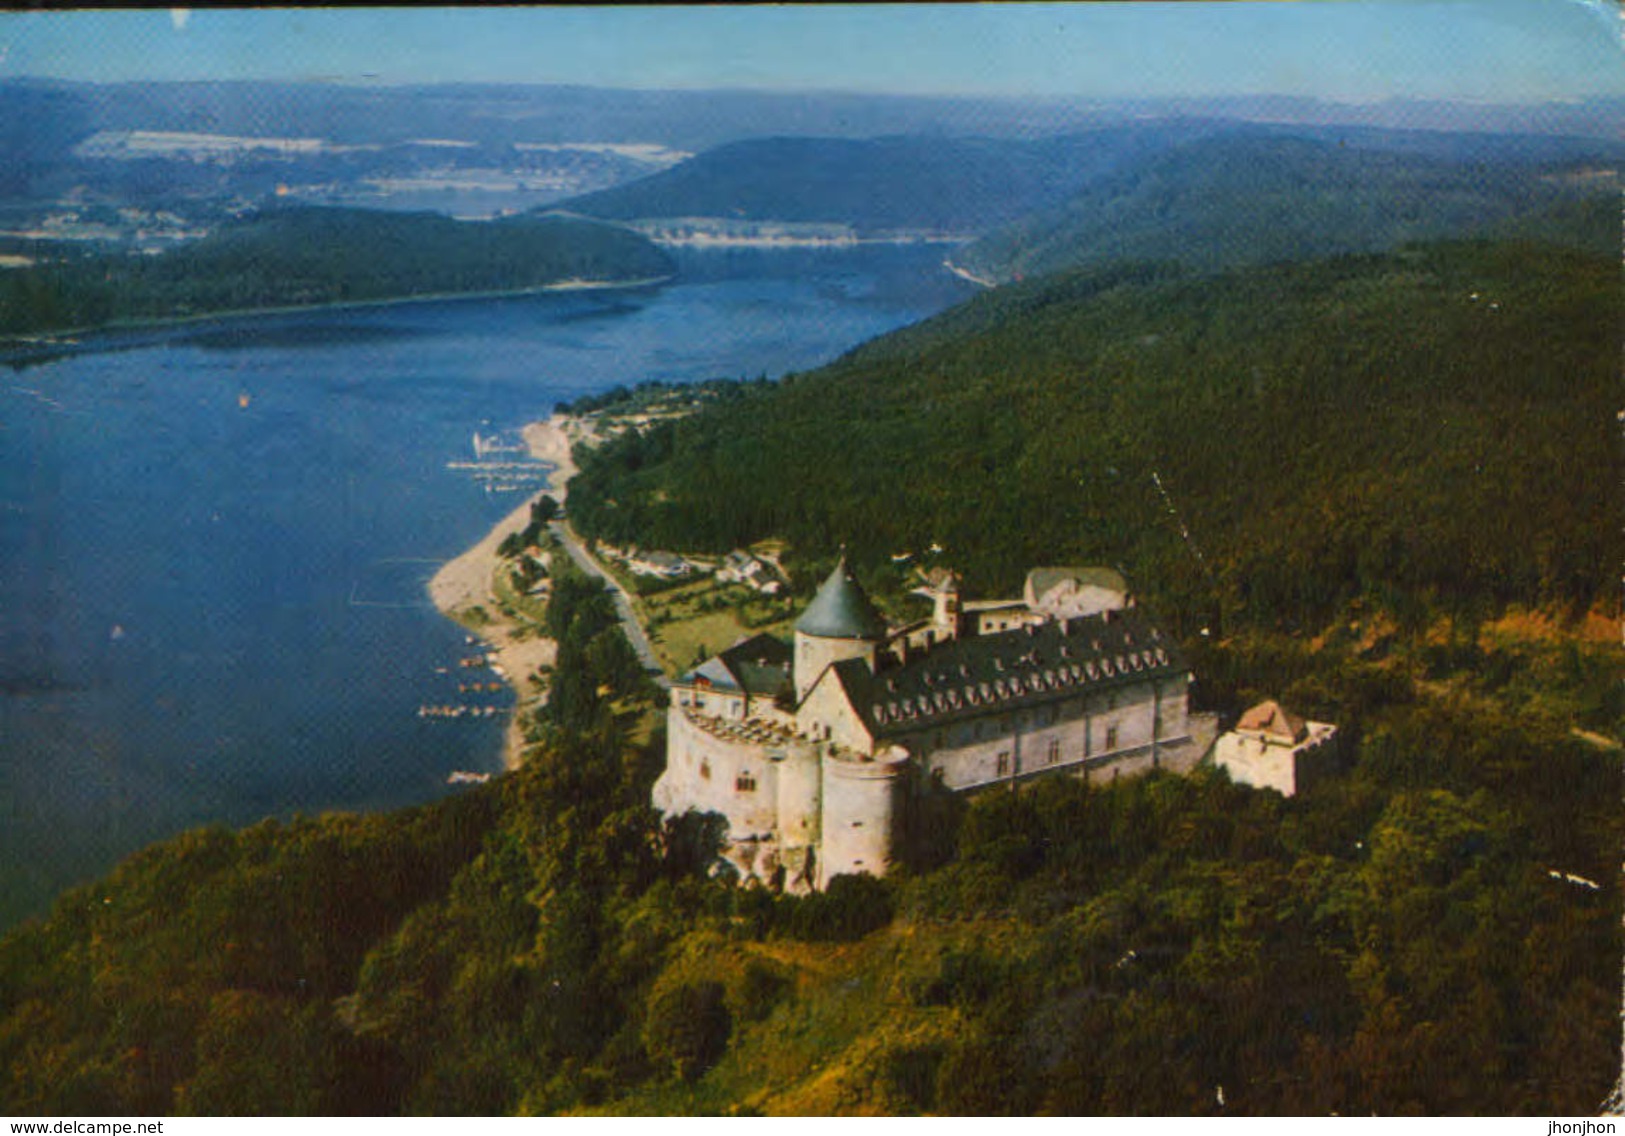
{"x":687,"y":1027}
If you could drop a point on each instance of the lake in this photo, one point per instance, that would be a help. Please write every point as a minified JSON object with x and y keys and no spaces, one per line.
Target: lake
{"x":214,"y":538}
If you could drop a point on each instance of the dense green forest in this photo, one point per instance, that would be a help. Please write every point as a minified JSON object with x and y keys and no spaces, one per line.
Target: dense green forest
{"x":1250,"y":198}
{"x":306,"y":256}
{"x":1431,"y":428}
{"x":1395,"y":472}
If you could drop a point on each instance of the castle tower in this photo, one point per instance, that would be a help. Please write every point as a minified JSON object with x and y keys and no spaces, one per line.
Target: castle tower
{"x":840,"y":623}
{"x":859,"y":825}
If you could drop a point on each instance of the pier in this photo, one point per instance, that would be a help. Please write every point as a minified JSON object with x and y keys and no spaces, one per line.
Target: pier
{"x":501,"y":467}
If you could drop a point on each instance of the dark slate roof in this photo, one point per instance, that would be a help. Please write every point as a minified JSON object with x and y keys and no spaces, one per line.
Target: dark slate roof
{"x":841,"y":610}
{"x":714,"y":672}
{"x":758,"y":666}
{"x":1028,"y":666}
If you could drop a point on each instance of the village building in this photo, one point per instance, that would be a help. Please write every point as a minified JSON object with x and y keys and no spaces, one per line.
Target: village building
{"x":664,"y":565}
{"x":1272,"y":748}
{"x":816,"y":753}
{"x":741,"y":567}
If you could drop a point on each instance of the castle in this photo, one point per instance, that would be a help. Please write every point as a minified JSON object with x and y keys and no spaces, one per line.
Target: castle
{"x":814,"y":754}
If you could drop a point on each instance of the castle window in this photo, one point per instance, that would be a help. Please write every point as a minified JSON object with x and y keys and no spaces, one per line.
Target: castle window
{"x":744,"y":783}
{"x":1111,"y":737}
{"x":705,"y":770}
{"x":1053,"y":755}
{"x":1004,"y":764}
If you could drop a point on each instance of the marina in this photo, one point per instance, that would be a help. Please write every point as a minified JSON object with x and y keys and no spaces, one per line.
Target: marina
{"x":459,"y":710}
{"x":501,"y":466}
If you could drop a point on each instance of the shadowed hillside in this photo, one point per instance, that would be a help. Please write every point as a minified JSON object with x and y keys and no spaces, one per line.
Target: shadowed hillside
{"x":1252,"y":198}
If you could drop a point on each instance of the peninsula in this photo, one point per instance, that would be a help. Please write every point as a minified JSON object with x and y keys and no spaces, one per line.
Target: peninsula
{"x":302,"y":257}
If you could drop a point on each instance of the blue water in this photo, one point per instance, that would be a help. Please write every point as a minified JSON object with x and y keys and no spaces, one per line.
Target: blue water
{"x":212,"y":611}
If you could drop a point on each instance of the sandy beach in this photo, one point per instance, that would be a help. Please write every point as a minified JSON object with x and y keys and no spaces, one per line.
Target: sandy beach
{"x":466,"y":581}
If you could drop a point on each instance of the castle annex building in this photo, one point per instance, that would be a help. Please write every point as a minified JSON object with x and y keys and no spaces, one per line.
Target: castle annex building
{"x":1273,"y":748}
{"x":813,"y":754}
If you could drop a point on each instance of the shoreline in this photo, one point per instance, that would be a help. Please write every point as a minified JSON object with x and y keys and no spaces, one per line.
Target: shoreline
{"x":969,"y":276}
{"x":465,"y":581}
{"x":62,"y":338}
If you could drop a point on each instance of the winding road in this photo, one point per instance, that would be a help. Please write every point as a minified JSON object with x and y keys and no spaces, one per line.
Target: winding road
{"x":623,"y":603}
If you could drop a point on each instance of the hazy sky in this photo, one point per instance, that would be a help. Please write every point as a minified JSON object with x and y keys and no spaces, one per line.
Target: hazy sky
{"x":1495,"y":50}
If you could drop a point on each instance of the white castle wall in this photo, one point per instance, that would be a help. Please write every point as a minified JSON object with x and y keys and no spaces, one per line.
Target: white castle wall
{"x":711,"y":702}
{"x":966,"y":755}
{"x":826,"y":713}
{"x":703,"y":773}
{"x":859,"y":824}
{"x":1174,"y":708}
{"x":1270,"y":765}
{"x":1253,"y":762}
{"x":800,"y":787}
{"x":1069,"y":599}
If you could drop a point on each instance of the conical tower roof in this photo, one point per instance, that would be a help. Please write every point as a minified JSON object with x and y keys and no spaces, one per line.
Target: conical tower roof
{"x":841,"y":610}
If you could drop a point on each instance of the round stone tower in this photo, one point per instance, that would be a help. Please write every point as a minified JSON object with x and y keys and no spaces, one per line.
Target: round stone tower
{"x":840,"y":623}
{"x":862,"y":798}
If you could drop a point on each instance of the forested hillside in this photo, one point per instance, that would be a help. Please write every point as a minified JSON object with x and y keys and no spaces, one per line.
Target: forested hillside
{"x":1424,"y":428}
{"x":307,"y":256}
{"x":960,"y":185}
{"x":1247,"y":197}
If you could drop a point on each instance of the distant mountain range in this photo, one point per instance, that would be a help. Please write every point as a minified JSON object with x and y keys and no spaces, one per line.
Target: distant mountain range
{"x":690,"y":120}
{"x":43,"y":124}
{"x":1039,"y":186}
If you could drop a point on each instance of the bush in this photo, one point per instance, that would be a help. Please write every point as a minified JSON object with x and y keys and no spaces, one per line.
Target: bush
{"x":850,"y":908}
{"x":760,"y":988}
{"x":687,"y":1027}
